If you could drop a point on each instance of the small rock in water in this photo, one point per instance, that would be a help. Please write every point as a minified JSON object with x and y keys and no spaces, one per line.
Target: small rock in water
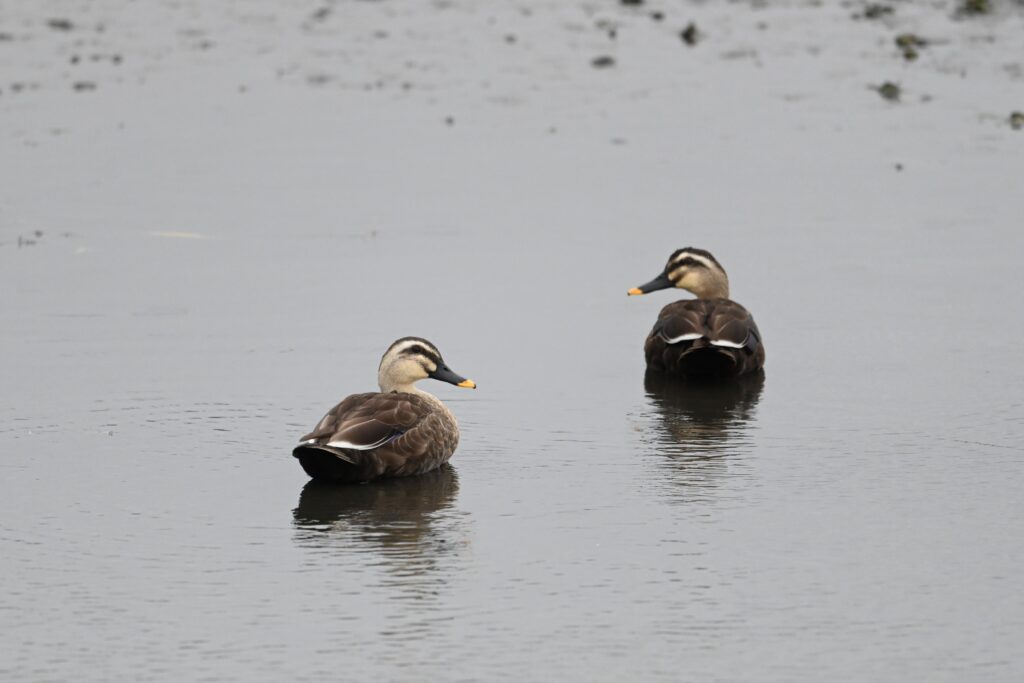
{"x":889,"y":91}
{"x":83,"y":86}
{"x":657,"y":16}
{"x":632,"y":3}
{"x":1017,"y":120}
{"x":60,"y":24}
{"x":449,"y":120}
{"x":602,"y":62}
{"x":690,"y":34}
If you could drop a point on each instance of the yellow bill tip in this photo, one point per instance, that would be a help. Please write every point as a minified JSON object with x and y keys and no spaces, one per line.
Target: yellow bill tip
{"x":467,"y":384}
{"x":634,"y":292}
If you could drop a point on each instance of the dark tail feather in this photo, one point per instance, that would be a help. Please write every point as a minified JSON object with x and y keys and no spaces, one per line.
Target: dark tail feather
{"x":331,"y":464}
{"x":707,"y":361}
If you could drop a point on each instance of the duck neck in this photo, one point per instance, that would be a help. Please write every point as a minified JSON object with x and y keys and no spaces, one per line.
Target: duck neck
{"x":405,"y":388}
{"x":712,"y":293}
{"x":715,"y":286}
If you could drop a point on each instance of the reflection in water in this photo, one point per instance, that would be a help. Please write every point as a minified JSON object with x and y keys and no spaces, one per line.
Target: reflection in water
{"x":700,"y":426}
{"x":405,"y":525}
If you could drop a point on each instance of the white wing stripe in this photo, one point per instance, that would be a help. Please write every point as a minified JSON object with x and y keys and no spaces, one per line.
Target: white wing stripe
{"x":359,"y":447}
{"x":353,"y":446}
{"x":684,"y":337}
{"x":728,"y":344}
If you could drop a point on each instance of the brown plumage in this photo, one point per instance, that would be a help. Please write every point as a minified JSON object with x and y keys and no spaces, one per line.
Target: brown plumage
{"x":397,"y":432}
{"x":711,"y":336}
{"x":698,"y":322}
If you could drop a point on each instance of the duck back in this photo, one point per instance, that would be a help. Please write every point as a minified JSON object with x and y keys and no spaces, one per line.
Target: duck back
{"x":704,"y":338}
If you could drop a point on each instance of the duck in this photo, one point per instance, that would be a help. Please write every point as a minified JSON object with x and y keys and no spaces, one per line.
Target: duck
{"x":711,"y":336}
{"x":399,"y":431}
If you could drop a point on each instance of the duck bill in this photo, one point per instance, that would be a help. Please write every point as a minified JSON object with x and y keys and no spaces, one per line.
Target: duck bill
{"x":445,"y":374}
{"x":660,"y":282}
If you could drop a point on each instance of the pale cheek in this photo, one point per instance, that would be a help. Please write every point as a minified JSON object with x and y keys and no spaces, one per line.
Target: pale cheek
{"x":688,"y":281}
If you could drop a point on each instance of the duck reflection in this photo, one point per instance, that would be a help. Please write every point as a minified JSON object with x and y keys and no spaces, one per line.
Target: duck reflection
{"x":699,"y":426}
{"x":407,"y":523}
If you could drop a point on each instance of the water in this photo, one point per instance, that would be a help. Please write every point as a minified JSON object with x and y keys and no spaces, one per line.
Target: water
{"x":218,"y":267}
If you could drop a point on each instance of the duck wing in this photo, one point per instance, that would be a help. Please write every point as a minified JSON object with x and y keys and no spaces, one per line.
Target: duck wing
{"x":365,"y":421}
{"x":730,"y":325}
{"x":361,"y":438}
{"x":704,"y":337}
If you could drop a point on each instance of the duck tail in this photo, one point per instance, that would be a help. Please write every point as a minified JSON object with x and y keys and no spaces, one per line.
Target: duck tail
{"x":704,"y":360}
{"x":337,"y":465}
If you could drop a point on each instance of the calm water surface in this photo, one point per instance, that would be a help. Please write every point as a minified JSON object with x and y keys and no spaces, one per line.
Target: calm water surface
{"x":852,"y":514}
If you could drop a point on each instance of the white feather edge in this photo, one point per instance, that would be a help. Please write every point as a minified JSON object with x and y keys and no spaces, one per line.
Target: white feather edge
{"x":683,"y":337}
{"x":346,"y":444}
{"x":696,"y":335}
{"x":355,"y":446}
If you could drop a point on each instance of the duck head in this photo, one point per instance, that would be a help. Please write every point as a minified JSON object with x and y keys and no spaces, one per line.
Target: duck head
{"x":694,"y":270}
{"x":411,"y":359}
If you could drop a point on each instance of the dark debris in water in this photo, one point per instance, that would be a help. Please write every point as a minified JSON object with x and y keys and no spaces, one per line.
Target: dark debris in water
{"x":83,"y":86}
{"x":60,"y":24}
{"x":609,"y":27}
{"x":31,"y":240}
{"x":21,"y":86}
{"x":910,"y":40}
{"x":909,"y":43}
{"x":1017,"y":120}
{"x":602,"y":62}
{"x":889,"y":91}
{"x":876,"y":10}
{"x":974,"y":7}
{"x":690,"y":35}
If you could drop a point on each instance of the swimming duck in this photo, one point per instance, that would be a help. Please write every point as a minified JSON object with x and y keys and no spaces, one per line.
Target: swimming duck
{"x":397,"y":432}
{"x":710,"y":336}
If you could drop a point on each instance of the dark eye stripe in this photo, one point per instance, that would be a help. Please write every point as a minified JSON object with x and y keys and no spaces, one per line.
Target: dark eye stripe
{"x":689,"y":262}
{"x":698,"y":252}
{"x":417,"y":350}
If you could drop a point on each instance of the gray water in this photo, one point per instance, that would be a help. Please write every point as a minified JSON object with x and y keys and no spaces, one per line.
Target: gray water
{"x":217,"y":267}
